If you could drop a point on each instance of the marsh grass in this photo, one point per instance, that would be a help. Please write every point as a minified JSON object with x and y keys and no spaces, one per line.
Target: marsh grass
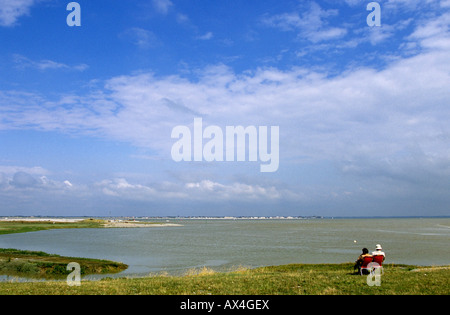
{"x":10,"y":227}
{"x":40,"y":265}
{"x":296,"y":279}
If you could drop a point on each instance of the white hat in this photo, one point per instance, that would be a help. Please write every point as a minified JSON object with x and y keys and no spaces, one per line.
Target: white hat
{"x":378,"y":246}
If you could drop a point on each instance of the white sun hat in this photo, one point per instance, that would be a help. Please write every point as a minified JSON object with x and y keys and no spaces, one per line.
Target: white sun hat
{"x":378,"y":246}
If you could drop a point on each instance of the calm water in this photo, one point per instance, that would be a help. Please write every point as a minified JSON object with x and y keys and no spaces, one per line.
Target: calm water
{"x":226,"y":244}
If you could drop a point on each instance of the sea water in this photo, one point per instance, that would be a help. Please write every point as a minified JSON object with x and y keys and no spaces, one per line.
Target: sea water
{"x":222,"y":244}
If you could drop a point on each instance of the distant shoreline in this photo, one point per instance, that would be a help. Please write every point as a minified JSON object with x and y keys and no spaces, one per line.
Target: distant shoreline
{"x":73,"y":219}
{"x":33,"y":219}
{"x":119,"y":223}
{"x":135,"y":224}
{"x":9,"y":225}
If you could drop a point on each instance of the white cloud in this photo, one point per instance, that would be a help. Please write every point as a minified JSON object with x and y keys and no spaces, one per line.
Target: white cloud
{"x":206,"y":36}
{"x":311,"y":24}
{"x":142,"y":38}
{"x":12,"y":10}
{"x":68,"y":184}
{"x":354,"y":2}
{"x":121,"y":188}
{"x":408,"y":5}
{"x":23,"y":180}
{"x":318,"y":116}
{"x":205,"y":189}
{"x":23,"y":185}
{"x":434,"y":34}
{"x":182,"y":18}
{"x":10,"y":170}
{"x":162,"y":6}
{"x":17,"y":179}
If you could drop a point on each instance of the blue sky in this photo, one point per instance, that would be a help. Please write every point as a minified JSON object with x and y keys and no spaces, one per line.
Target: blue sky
{"x":86,"y":113}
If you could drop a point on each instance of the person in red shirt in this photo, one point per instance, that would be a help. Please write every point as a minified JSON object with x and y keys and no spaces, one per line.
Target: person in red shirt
{"x":358,"y":263}
{"x":377,"y":254}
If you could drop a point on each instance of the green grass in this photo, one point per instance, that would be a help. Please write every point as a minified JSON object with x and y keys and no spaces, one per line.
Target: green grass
{"x":296,"y":279}
{"x":40,"y":265}
{"x":9,"y":227}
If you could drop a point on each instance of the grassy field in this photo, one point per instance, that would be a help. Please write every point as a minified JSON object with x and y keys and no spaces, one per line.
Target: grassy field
{"x":333,"y":279}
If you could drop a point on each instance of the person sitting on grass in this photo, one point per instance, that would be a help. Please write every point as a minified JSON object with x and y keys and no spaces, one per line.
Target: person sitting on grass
{"x":379,"y":255}
{"x":360,"y":260}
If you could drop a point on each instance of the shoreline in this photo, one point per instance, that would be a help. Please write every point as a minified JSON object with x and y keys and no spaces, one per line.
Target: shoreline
{"x":114,"y":223}
{"x":136,"y":224}
{"x":31,"y":219}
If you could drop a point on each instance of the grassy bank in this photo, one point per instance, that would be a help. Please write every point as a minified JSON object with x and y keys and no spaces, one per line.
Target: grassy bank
{"x":40,"y":265}
{"x":30,"y":225}
{"x":9,"y":227}
{"x":328,"y":279}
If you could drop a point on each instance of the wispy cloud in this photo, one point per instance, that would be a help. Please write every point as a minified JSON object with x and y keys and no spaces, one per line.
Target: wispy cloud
{"x":162,"y":6}
{"x":311,"y":24}
{"x":16,"y":179}
{"x":434,"y":34}
{"x":12,"y":10}
{"x":205,"y":190}
{"x":23,"y":62}
{"x":20,"y":182}
{"x":140,"y":37}
{"x":388,"y":109}
{"x":231,"y":191}
{"x":11,"y":170}
{"x":206,"y":36}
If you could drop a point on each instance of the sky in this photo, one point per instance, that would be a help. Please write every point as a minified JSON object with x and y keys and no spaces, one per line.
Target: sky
{"x":87,"y":112}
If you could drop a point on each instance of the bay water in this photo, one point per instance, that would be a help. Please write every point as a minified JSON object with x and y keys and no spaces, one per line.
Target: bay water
{"x":227,"y":244}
